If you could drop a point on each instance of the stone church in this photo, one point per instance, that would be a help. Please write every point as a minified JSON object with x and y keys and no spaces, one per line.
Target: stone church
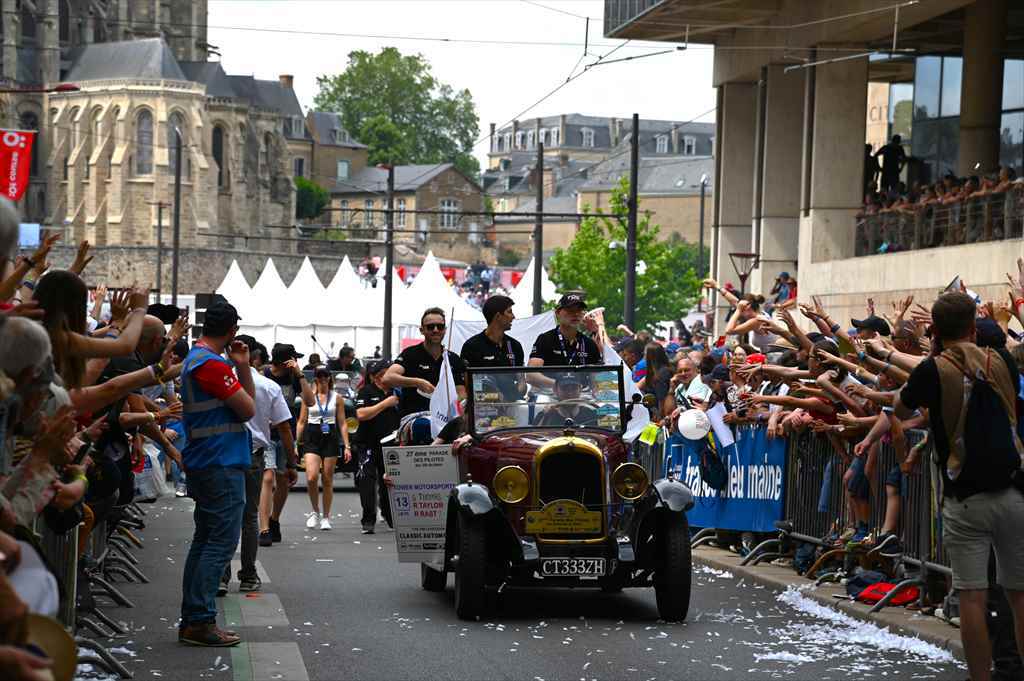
{"x":104,"y":159}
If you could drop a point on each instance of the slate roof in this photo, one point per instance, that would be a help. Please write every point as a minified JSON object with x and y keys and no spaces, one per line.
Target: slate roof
{"x":678,"y":175}
{"x":149,"y":58}
{"x":211,"y":74}
{"x":323,"y":123}
{"x":602,"y":127}
{"x":407,"y":179}
{"x":552,"y":204}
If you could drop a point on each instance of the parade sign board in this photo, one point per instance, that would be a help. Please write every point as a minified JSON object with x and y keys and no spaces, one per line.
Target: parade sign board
{"x":422,"y":479}
{"x":15,"y":161}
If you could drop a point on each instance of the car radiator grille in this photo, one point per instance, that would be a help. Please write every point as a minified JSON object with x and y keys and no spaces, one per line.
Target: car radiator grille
{"x":571,"y":475}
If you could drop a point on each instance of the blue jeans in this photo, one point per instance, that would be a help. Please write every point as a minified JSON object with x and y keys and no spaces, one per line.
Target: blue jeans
{"x":219,"y":494}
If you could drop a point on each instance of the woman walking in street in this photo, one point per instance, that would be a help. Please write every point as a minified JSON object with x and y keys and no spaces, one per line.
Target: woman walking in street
{"x":321,"y":430}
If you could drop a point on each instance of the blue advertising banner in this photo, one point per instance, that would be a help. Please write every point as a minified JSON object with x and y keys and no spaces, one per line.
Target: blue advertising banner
{"x":753,"y":497}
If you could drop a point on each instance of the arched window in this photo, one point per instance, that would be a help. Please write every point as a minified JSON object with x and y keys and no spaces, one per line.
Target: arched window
{"x":519,"y":139}
{"x":30,"y":121}
{"x":72,"y":126}
{"x":218,"y":153}
{"x":530,"y":138}
{"x":554,"y":137}
{"x":689,"y":146}
{"x":28,"y":22}
{"x":662,"y":142}
{"x":588,"y":137}
{"x":144,"y":143}
{"x":543,"y":136}
{"x":508,"y":141}
{"x":176,"y":120}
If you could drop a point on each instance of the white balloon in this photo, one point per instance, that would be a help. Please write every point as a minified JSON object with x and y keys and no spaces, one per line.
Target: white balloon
{"x":694,"y":424}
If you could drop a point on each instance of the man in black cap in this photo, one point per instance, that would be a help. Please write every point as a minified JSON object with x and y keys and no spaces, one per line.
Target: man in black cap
{"x":568,"y":405}
{"x":564,"y":345}
{"x":285,"y":371}
{"x":871,"y":326}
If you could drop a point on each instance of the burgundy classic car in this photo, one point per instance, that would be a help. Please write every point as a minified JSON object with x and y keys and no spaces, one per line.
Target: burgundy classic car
{"x":552,"y":496}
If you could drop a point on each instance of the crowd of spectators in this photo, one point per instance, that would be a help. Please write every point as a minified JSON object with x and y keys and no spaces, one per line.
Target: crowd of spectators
{"x":949,"y":367}
{"x":81,"y":386}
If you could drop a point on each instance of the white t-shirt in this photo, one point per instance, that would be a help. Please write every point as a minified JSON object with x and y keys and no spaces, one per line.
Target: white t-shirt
{"x":271,"y":409}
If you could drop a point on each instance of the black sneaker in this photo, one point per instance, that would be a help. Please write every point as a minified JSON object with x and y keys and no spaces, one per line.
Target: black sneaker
{"x":275,"y":530}
{"x":266,"y":539}
{"x":250,"y":584}
{"x":367,"y":528}
{"x":222,"y":590}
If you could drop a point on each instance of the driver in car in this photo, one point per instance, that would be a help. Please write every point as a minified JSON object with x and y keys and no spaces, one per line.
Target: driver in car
{"x":569,"y":405}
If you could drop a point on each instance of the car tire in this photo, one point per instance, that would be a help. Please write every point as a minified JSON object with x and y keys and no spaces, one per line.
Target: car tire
{"x":672,"y":578}
{"x":471,"y":569}
{"x":431,"y":579}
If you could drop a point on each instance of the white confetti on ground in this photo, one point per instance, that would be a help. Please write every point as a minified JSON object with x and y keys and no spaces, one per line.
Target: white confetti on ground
{"x":783,"y":657}
{"x":856,"y":631}
{"x":708,"y":570}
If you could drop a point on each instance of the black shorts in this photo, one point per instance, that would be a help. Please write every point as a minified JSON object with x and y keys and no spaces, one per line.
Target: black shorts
{"x":324,"y":445}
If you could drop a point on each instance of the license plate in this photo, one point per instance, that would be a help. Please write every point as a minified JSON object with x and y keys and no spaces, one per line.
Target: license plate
{"x":572,"y":567}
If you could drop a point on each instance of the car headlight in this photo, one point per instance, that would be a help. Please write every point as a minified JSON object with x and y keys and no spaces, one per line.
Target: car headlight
{"x":630,"y":481}
{"x":511,"y":484}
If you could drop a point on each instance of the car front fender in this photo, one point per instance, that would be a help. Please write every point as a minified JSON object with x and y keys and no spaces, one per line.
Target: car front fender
{"x":474,"y":498}
{"x":674,"y":495}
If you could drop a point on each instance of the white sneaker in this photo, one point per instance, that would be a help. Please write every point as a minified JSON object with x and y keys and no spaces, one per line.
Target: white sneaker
{"x":325,"y":523}
{"x":312,"y":520}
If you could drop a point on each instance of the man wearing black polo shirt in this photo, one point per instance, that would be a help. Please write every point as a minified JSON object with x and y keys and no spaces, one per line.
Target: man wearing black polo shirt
{"x":564,"y":345}
{"x":492,"y":347}
{"x":418,"y":368}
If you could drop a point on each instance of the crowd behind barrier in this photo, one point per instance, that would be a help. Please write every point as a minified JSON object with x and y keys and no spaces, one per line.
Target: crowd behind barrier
{"x":815,"y":504}
{"x":908,"y":226}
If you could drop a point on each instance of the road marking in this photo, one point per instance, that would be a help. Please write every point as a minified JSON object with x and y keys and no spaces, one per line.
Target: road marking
{"x":261,"y":572}
{"x":254,"y":610}
{"x":276,"y":662}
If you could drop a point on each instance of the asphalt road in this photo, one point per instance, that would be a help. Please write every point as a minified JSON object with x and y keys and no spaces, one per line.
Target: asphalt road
{"x":338,"y":605}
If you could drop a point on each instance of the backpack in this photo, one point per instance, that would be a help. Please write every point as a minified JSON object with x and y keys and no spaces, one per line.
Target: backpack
{"x":712,"y":469}
{"x":983,"y":431}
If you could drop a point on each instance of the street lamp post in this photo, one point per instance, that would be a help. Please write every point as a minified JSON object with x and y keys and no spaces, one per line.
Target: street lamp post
{"x":744,"y":264}
{"x":389,"y":262}
{"x":177,"y":218}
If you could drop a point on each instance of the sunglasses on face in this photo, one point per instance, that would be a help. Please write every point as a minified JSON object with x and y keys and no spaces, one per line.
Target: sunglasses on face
{"x":434,"y":327}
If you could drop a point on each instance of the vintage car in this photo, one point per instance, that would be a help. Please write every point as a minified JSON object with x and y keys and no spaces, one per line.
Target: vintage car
{"x":552,"y":496}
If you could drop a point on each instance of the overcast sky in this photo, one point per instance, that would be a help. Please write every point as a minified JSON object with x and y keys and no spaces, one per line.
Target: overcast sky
{"x":504,"y":79}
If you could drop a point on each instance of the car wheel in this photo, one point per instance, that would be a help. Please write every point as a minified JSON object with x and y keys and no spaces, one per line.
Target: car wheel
{"x":431,"y":579}
{"x":470,"y":569}
{"x":672,"y":577}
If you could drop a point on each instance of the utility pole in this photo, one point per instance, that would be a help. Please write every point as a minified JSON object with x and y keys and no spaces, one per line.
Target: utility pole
{"x":629,"y":313}
{"x":389,"y":264}
{"x":538,"y":233}
{"x":177,"y":217}
{"x":700,"y":241}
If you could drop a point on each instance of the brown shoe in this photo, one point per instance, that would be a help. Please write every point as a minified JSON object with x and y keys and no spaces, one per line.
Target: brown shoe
{"x":208,"y":635}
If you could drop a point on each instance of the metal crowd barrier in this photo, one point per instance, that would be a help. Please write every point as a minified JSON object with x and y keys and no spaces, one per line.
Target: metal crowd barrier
{"x":991,"y":217}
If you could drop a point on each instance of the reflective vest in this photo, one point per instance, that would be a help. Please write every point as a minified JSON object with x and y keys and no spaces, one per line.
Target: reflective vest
{"x":216,"y":436}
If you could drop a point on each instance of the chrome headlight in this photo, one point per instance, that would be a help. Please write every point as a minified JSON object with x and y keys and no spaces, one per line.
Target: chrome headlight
{"x":630,"y":481}
{"x":511,"y":484}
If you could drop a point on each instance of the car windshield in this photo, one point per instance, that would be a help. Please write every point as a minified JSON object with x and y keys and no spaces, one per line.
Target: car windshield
{"x":531,"y":397}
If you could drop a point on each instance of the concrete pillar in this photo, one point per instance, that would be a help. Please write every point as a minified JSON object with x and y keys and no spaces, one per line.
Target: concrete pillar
{"x":981,"y":92}
{"x":836,"y":172}
{"x":776,"y":232}
{"x":737,"y":122}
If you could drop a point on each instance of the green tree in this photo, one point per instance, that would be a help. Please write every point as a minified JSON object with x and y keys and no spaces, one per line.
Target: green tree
{"x":393,"y":103}
{"x":595,"y":262}
{"x":310,"y":199}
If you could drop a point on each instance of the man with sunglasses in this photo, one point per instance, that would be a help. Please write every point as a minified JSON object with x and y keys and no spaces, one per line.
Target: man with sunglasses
{"x":417,"y":370}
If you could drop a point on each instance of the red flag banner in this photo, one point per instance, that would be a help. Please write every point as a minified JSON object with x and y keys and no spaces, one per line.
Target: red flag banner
{"x":15,"y":161}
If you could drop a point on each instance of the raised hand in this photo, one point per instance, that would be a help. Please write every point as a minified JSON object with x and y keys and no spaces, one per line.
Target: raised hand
{"x":871,"y":306}
{"x":138,"y":298}
{"x":178,"y":329}
{"x":238,"y":352}
{"x":119,"y":305}
{"x":41,"y":253}
{"x":82,"y":258}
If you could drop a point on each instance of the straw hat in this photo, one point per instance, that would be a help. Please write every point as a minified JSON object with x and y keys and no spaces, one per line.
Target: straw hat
{"x":46,"y":636}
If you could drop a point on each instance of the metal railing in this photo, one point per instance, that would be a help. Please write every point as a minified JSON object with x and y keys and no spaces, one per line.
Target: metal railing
{"x":991,"y":217}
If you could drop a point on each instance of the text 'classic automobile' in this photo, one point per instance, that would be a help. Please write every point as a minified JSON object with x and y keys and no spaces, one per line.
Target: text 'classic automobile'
{"x":550,"y":495}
